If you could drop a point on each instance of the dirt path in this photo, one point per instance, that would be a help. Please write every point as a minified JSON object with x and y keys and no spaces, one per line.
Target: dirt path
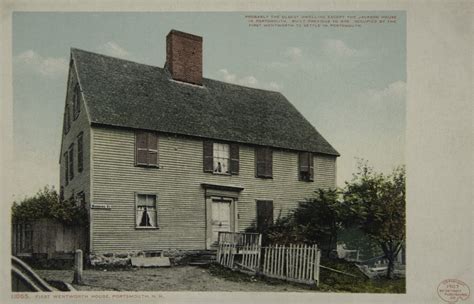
{"x":184,"y":278}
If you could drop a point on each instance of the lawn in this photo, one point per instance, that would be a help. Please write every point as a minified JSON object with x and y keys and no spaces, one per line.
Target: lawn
{"x":216,"y":278}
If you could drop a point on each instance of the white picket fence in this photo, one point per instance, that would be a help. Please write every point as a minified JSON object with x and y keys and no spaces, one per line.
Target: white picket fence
{"x":241,"y":249}
{"x":246,"y":256}
{"x":296,"y":263}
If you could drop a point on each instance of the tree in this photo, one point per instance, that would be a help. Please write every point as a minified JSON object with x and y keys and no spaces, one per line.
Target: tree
{"x":319,"y":219}
{"x":47,"y":204}
{"x":377,"y":204}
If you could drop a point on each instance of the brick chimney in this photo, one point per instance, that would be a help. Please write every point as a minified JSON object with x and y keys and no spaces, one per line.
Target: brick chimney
{"x":184,"y":57}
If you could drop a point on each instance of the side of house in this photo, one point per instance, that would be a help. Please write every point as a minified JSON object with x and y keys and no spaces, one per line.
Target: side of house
{"x":186,"y":205}
{"x":75,"y":144}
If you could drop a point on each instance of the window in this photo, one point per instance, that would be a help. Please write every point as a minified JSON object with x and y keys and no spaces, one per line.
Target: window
{"x":146,"y":145}
{"x":80,"y":157}
{"x":263,"y":162}
{"x":76,"y":106}
{"x":305,"y":164}
{"x":221,"y":158}
{"x":71,"y":162}
{"x":66,"y":168}
{"x":67,"y":119}
{"x":146,"y":211}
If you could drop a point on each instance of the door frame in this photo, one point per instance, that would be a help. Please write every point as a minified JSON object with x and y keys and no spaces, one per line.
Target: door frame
{"x":233,"y":216}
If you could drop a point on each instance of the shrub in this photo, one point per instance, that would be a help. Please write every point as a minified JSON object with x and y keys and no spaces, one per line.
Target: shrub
{"x":46,"y":204}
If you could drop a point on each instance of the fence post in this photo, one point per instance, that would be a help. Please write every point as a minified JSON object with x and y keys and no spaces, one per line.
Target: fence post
{"x":259,"y":257}
{"x":316,"y":270}
{"x":78,"y":267}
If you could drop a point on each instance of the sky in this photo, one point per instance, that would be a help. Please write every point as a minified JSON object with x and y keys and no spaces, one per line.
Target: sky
{"x":350,"y":83}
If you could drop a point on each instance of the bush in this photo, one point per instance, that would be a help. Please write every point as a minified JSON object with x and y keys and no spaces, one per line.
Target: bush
{"x":47,"y":204}
{"x":315,"y":221}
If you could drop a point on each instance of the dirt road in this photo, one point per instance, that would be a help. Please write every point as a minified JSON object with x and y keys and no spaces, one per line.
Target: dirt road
{"x":183,"y":278}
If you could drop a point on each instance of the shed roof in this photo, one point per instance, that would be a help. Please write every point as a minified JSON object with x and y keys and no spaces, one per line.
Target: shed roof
{"x":127,"y":94}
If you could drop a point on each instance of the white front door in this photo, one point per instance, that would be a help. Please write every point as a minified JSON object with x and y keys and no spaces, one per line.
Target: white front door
{"x":220,"y":217}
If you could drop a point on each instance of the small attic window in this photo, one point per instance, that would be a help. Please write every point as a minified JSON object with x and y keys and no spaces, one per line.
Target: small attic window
{"x":76,"y":102}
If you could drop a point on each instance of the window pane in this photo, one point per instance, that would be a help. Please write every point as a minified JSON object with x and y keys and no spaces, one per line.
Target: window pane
{"x":221,"y":158}
{"x":152,"y":158}
{"x":146,"y":210}
{"x":141,"y":199}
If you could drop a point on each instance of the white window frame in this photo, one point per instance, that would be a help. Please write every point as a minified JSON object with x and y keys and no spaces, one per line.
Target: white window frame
{"x":155,"y":224}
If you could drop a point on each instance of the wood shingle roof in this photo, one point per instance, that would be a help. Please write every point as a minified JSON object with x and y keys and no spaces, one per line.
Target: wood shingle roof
{"x":127,"y":94}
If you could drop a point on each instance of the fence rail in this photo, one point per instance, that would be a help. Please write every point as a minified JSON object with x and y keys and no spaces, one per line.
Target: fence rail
{"x":239,"y":238}
{"x":296,"y":263}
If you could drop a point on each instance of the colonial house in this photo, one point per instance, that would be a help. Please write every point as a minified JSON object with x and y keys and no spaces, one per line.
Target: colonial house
{"x":164,"y":158}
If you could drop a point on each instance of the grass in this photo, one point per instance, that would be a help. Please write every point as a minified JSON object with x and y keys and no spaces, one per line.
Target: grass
{"x":329,"y":281}
{"x":334,"y":282}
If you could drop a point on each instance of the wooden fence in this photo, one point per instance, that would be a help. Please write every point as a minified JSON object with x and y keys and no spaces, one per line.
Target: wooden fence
{"x":239,"y":238}
{"x":240,"y":249}
{"x":22,"y":238}
{"x":47,"y":237}
{"x":296,"y":263}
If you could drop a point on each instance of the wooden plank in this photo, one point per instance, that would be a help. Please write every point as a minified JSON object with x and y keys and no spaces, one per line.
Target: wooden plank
{"x":244,"y":256}
{"x":272,"y":261}
{"x":280,"y":261}
{"x":275,"y":271}
{"x":309,"y":263}
{"x":290,"y":261}
{"x":304,"y":262}
{"x":300,"y":262}
{"x":264,"y":266}
{"x":318,"y":265}
{"x":250,"y":256}
{"x":296,"y":261}
{"x":259,"y":251}
{"x":282,"y":264}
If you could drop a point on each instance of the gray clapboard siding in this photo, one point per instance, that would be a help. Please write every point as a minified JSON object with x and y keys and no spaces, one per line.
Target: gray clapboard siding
{"x":81,"y":180}
{"x":177,"y":183}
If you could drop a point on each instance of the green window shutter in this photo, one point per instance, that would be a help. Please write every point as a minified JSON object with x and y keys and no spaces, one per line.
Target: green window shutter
{"x":234,"y":159}
{"x":71,"y":162}
{"x":208,"y":156}
{"x":141,"y":148}
{"x":80,"y":157}
{"x":268,"y":162}
{"x":311,"y":166}
{"x":260,"y":162}
{"x":67,"y":119}
{"x":66,"y":168}
{"x":152,"y":149}
{"x":264,"y":162}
